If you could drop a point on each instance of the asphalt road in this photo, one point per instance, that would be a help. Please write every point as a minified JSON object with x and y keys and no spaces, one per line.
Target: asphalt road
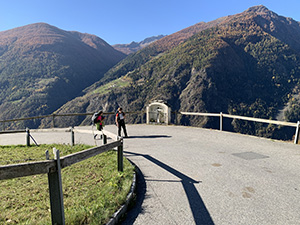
{"x":200,"y":176}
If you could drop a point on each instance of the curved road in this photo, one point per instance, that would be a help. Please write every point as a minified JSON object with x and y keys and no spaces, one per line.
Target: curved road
{"x":201,"y":176}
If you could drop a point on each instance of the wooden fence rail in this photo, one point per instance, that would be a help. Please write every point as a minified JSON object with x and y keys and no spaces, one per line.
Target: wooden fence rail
{"x":53,"y":116}
{"x":41,"y":167}
{"x":72,"y":130}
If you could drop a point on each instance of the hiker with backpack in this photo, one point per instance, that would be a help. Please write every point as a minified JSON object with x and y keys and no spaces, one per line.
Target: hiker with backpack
{"x":120,"y":122}
{"x":98,"y":121}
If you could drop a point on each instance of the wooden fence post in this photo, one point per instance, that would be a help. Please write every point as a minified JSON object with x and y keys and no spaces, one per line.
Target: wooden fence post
{"x":221,"y":121}
{"x":27,"y":137}
{"x":72,"y":136}
{"x":120,"y":157}
{"x":297,"y":133}
{"x":55,"y":191}
{"x":104,"y":139}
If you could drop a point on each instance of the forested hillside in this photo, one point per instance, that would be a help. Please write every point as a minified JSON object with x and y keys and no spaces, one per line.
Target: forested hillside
{"x":246,"y":64}
{"x":43,"y":67}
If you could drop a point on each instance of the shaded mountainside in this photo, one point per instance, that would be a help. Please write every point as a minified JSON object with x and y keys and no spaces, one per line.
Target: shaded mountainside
{"x":246,"y":64}
{"x":135,"y":46}
{"x":43,"y":67}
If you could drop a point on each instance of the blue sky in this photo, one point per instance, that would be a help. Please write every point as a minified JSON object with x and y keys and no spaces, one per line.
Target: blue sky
{"x":123,"y":21}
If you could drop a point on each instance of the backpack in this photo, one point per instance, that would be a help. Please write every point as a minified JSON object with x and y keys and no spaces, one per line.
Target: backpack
{"x":94,"y":117}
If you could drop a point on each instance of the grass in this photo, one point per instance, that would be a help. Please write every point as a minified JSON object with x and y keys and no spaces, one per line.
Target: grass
{"x":92,"y":189}
{"x":115,"y":84}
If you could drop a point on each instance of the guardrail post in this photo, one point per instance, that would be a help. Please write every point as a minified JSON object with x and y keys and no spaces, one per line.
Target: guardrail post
{"x":72,"y":136}
{"x":297,"y":133}
{"x":176,"y":120}
{"x":120,"y":157}
{"x":53,"y":122}
{"x":104,"y":139}
{"x":55,"y":191}
{"x":142,"y":117}
{"x":27,"y":137}
{"x":221,"y":121}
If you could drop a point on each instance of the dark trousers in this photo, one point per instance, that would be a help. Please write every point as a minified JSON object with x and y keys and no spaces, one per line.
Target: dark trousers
{"x":121,"y":124}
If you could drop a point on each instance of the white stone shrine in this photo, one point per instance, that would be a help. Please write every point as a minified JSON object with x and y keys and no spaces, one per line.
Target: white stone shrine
{"x":158,"y":112}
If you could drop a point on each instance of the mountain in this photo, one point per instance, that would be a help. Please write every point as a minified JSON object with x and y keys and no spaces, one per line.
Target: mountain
{"x":245,"y":64}
{"x":153,"y":50}
{"x":135,"y":46}
{"x":42,"y":67}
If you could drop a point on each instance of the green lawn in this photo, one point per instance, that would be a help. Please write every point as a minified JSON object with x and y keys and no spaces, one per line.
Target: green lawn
{"x":92,"y":189}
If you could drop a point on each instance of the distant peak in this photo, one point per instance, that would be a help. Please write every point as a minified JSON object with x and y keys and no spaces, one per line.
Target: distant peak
{"x":258,"y":9}
{"x":40,"y":24}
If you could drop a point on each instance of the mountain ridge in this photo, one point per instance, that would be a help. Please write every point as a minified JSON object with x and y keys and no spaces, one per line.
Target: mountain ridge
{"x":42,"y":67}
{"x":136,"y":46}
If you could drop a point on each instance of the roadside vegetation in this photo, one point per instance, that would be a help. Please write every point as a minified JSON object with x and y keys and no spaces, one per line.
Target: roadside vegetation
{"x":92,"y":189}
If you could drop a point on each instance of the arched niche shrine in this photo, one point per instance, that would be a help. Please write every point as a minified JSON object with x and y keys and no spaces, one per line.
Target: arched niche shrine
{"x":158,"y":112}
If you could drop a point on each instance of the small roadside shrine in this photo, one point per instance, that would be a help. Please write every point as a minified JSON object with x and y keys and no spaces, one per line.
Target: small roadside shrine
{"x":158,"y":112}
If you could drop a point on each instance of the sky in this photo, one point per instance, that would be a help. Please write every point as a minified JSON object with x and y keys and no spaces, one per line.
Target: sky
{"x":124,"y":21}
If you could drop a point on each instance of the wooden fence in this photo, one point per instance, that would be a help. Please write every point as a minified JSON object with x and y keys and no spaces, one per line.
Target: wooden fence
{"x":53,"y":116}
{"x":223,"y":115}
{"x":53,"y":169}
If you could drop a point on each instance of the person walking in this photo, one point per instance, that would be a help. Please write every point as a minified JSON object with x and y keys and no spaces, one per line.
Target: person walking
{"x":120,"y":122}
{"x":98,"y":121}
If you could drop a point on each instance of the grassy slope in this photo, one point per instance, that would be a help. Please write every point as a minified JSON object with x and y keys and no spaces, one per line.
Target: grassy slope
{"x":93,"y":189}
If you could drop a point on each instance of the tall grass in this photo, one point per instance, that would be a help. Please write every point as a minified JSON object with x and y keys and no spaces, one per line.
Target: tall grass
{"x":92,"y":189}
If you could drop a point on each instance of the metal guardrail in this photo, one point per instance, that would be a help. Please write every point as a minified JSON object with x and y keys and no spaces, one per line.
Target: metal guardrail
{"x":223,"y":115}
{"x":220,"y":115}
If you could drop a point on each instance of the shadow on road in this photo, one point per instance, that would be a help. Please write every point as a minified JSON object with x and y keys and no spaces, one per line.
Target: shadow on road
{"x":198,"y":208}
{"x":133,"y":213}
